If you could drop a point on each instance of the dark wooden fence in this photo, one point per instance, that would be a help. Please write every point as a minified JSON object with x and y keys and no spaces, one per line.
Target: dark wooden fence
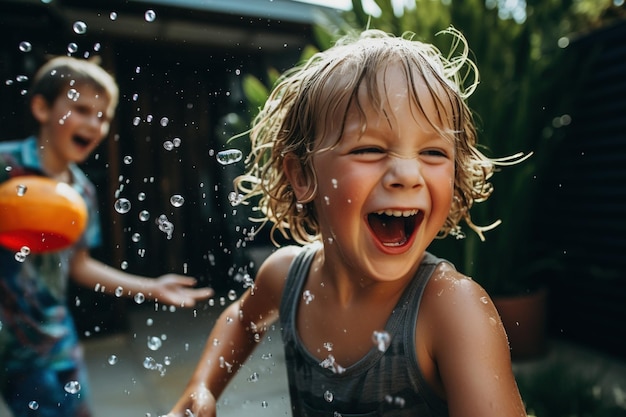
{"x":584,"y":201}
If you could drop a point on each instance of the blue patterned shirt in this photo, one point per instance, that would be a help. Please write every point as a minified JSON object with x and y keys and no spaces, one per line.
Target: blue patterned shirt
{"x":36,"y":328}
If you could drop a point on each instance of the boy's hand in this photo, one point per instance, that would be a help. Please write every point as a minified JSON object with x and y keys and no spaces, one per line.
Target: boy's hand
{"x":177,"y":290}
{"x":196,"y":401}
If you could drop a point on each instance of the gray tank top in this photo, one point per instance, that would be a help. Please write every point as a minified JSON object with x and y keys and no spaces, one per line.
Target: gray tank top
{"x":382,"y":383}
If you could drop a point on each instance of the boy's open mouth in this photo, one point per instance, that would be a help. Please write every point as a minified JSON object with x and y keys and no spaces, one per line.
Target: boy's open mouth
{"x":393,"y":228}
{"x":80,"y":141}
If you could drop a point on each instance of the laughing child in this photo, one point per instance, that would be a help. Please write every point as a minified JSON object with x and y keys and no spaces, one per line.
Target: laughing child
{"x":364,"y":155}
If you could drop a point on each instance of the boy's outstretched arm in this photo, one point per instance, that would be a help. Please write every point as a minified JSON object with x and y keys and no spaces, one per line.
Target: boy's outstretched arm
{"x":235,"y":334}
{"x":468,"y":344}
{"x":171,"y":289}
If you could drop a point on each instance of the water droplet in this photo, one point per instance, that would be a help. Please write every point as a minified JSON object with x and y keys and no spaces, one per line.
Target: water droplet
{"x":232,"y":295}
{"x":141,"y":196}
{"x":308,"y":296}
{"x":164,"y":121}
{"x":168,"y":145}
{"x":135,"y":237}
{"x":25,"y":46}
{"x":254,"y":377}
{"x":149,"y":363}
{"x":128,"y":159}
{"x":334,"y":181}
{"x":72,"y":387}
{"x":80,"y":27}
{"x":33,"y":405}
{"x":113,"y":15}
{"x":139,"y":298}
{"x":119,"y":291}
{"x":21,"y":189}
{"x":72,"y":94}
{"x":264,"y":404}
{"x":177,"y":200}
{"x":136,"y":121}
{"x":165,"y":225}
{"x":124,"y":265}
{"x":122,"y":205}
{"x":484,"y":300}
{"x":328,"y":396}
{"x":381,"y":340}
{"x":154,"y":343}
{"x":21,"y":78}
{"x":20,"y":257}
{"x":235,"y":198}
{"x":144,"y":215}
{"x":176,"y":142}
{"x":112,"y":360}
{"x":72,"y":47}
{"x":229,"y":156}
{"x":25,"y":250}
{"x":150,"y":15}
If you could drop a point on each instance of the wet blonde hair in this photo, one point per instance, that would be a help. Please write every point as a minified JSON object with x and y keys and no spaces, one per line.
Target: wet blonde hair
{"x":311,"y":101}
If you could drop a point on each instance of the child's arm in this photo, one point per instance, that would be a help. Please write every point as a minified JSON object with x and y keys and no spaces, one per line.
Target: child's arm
{"x":169,"y":289}
{"x":235,"y":334}
{"x":468,"y":347}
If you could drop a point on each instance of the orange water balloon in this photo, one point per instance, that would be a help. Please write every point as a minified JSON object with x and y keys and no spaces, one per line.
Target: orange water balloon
{"x":40,"y":213}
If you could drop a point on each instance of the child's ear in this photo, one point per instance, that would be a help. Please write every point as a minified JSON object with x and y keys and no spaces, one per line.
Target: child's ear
{"x":40,"y":108}
{"x":302,"y":182}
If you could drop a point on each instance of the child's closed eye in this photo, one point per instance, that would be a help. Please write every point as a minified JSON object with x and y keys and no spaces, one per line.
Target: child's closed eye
{"x":366,"y":150}
{"x":434,"y":152}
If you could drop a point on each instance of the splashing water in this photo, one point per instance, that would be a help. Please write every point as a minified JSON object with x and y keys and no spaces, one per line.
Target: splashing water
{"x":330,"y":363}
{"x":80,"y":28}
{"x":122,"y":205}
{"x":177,"y":200}
{"x":165,"y":226}
{"x":72,"y":387}
{"x":381,"y":339}
{"x":150,"y":15}
{"x":73,"y":94}
{"x":21,"y":190}
{"x":154,"y":343}
{"x":229,"y":156}
{"x":139,"y":298}
{"x":25,"y":46}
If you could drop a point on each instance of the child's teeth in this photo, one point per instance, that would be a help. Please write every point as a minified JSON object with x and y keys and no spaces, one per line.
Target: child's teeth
{"x":398,"y":213}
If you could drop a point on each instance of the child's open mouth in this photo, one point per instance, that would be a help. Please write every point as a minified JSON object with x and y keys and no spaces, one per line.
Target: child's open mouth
{"x":81,"y":142}
{"x":394,"y":228}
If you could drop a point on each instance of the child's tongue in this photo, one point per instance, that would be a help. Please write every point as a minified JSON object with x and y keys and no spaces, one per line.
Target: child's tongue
{"x":389,"y":230}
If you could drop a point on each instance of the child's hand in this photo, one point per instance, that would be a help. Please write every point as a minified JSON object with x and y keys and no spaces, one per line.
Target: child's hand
{"x":196,"y":401}
{"x":177,"y":290}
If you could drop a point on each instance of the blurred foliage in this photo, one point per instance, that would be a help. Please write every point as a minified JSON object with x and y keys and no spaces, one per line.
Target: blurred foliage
{"x":528,"y":81}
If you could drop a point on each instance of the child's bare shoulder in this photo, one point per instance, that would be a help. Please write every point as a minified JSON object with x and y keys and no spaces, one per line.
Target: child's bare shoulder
{"x":273,"y":271}
{"x":450,"y":295}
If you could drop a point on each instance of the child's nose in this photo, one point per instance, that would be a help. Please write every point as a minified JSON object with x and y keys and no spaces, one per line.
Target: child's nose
{"x":403,"y":172}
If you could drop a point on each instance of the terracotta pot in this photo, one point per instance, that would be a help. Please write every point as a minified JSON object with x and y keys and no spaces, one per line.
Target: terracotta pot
{"x":524,"y":319}
{"x":40,"y":214}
